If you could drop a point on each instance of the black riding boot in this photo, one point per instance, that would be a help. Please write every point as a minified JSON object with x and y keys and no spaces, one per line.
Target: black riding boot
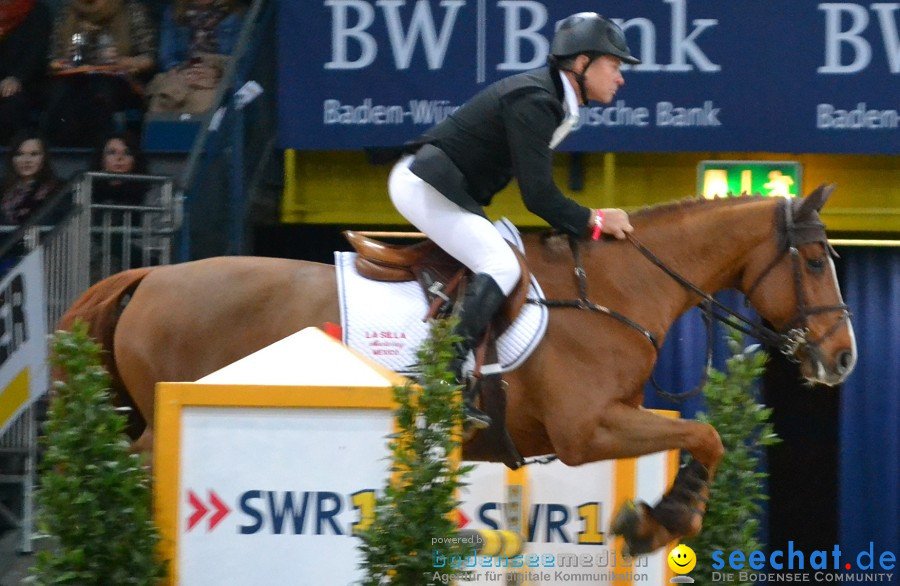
{"x":482,"y":300}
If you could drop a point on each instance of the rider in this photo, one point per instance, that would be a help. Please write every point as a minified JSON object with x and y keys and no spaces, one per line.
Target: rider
{"x":509,"y":129}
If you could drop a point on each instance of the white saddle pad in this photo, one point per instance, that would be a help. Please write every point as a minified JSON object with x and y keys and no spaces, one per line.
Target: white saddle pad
{"x":385,"y":321}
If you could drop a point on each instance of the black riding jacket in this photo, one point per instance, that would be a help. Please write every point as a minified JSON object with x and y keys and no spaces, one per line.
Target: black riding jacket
{"x":504,"y":131}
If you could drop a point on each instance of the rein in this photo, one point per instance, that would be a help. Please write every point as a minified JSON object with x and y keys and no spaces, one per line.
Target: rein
{"x":710,"y":304}
{"x":788,"y":343}
{"x":584,"y":303}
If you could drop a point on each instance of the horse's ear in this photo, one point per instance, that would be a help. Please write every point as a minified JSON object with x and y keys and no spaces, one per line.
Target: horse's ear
{"x":814,"y":201}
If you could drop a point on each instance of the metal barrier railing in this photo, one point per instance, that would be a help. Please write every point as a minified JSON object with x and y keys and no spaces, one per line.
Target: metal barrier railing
{"x":87,"y":243}
{"x":128,"y":236}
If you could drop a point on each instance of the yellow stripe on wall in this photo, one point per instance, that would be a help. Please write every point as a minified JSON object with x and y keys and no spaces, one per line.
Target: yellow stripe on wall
{"x":15,"y":395}
{"x":519,"y":479}
{"x":624,"y":489}
{"x":341,"y":187}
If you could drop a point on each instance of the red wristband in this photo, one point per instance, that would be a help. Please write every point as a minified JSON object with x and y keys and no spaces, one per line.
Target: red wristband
{"x":598,"y":225}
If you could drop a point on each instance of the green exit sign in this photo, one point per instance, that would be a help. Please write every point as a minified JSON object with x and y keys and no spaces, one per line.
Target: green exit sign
{"x":729,"y":178}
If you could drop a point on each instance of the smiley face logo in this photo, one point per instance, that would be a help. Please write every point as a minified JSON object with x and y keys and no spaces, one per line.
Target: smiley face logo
{"x":682,"y":559}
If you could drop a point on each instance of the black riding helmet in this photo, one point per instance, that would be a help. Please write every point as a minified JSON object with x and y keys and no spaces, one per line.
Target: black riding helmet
{"x":590,"y":33}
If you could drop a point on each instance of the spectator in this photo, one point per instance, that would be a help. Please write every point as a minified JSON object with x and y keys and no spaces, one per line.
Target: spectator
{"x":28,"y":182}
{"x":101,"y":54}
{"x":24,"y":37}
{"x":119,"y":154}
{"x":122,"y":247}
{"x":29,"y":179}
{"x":196,"y":39}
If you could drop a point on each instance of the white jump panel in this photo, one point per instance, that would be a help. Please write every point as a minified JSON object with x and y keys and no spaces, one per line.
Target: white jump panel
{"x":291,"y":479}
{"x":568,"y":513}
{"x":268,"y":483}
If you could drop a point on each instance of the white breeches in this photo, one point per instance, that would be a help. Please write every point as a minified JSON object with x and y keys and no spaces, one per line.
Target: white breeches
{"x":469,"y":238}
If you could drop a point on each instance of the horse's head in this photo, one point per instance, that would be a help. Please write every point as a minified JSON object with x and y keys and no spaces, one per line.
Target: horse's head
{"x":797,"y":291}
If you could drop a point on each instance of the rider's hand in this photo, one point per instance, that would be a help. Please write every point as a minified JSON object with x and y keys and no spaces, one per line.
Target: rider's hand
{"x":610,"y":221}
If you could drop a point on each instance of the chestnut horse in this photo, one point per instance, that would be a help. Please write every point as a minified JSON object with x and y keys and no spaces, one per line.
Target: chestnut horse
{"x":579,"y":395}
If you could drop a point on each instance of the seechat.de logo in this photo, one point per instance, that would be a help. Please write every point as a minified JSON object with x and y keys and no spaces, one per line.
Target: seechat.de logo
{"x":868,"y":565}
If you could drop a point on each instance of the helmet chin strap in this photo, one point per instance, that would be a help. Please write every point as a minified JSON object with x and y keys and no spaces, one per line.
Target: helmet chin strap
{"x":580,"y":79}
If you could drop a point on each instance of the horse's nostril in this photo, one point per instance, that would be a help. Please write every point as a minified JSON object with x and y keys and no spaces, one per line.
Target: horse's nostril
{"x":844,"y":361}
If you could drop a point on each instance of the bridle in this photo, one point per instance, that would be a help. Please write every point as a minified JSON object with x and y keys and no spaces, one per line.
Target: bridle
{"x":789,"y":342}
{"x":797,"y":334}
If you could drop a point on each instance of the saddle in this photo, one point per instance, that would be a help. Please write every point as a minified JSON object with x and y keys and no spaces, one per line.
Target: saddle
{"x":439,"y":274}
{"x":442,"y":279}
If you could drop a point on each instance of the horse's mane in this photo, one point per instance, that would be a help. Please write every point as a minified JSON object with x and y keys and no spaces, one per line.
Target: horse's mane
{"x":805,"y":230}
{"x":690,"y":203}
{"x":664,"y":210}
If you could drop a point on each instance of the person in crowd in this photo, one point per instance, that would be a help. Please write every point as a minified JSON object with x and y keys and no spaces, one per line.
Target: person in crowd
{"x":101,"y":54}
{"x":24,"y":38}
{"x":119,"y":153}
{"x":508,"y":130}
{"x":29,"y":179}
{"x":196,"y":39}
{"x":28,"y":182}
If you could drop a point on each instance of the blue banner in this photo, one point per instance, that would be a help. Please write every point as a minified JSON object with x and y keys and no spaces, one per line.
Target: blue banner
{"x":792,"y":76}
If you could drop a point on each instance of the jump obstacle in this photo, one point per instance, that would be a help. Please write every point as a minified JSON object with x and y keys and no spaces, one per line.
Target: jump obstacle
{"x":264,"y":472}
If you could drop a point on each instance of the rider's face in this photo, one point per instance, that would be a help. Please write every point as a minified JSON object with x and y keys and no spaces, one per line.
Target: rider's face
{"x":603,"y":78}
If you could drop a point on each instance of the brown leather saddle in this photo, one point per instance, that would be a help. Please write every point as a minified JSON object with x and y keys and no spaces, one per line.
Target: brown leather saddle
{"x":443,"y":279}
{"x":439,"y":274}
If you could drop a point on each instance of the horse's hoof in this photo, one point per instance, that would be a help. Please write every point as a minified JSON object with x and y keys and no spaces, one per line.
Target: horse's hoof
{"x":679,"y":518}
{"x":626,"y":523}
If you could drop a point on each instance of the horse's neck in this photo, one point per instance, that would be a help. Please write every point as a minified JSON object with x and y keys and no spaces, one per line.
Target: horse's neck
{"x":709,"y":245}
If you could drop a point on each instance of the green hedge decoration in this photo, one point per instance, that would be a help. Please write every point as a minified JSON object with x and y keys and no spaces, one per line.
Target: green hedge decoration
{"x":738,"y":491}
{"x":419,"y":500}
{"x":94,"y":498}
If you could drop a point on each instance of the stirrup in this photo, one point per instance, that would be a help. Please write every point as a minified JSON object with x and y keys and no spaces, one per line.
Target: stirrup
{"x":475,"y":418}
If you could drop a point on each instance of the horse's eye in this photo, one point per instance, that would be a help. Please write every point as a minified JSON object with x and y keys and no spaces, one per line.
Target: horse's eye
{"x":816,"y":265}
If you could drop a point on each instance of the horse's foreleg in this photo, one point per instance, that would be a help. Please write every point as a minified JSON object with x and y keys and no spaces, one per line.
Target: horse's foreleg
{"x":620,"y":430}
{"x":625,"y":431}
{"x":143,"y":445}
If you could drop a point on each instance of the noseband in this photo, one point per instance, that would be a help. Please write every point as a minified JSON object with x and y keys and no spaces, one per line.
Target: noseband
{"x":789,"y":342}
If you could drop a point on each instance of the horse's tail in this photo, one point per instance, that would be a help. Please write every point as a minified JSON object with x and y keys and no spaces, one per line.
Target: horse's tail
{"x":100,"y":307}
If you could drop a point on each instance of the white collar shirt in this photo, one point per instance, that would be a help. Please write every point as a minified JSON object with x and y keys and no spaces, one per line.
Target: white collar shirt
{"x":570,"y":102}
